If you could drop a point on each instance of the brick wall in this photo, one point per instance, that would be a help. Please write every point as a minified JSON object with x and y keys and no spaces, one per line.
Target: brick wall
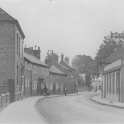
{"x":7,"y":50}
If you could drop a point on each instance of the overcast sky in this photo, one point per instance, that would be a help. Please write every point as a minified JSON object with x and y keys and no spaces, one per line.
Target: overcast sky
{"x":67,"y":26}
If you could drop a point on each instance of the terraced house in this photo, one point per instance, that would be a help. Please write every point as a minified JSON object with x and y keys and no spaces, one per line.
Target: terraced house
{"x":36,"y":72}
{"x":61,"y":75}
{"x":11,"y":56}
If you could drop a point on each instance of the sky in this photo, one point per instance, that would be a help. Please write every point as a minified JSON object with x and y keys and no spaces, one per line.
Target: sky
{"x":70,"y":27}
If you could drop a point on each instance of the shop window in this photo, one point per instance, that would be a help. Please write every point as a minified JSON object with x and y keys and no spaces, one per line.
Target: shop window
{"x":118,"y":83}
{"x":113,"y":81}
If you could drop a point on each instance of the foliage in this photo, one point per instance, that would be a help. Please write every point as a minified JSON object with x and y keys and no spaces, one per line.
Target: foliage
{"x":106,"y":49}
{"x":88,"y":80}
{"x":80,"y":63}
{"x":92,"y":67}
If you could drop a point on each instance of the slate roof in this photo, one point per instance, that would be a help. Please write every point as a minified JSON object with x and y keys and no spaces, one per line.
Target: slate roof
{"x":55,"y":70}
{"x":34,"y":60}
{"x":66,"y":66}
{"x":4,"y":16}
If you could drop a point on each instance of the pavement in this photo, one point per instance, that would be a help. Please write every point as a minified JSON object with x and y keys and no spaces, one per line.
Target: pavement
{"x":108,"y":102}
{"x":22,"y":112}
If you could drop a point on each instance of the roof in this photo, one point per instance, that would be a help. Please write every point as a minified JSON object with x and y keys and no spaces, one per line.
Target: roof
{"x":63,"y":69}
{"x":66,"y":66}
{"x":34,"y":60}
{"x":55,"y":70}
{"x":118,"y":54}
{"x":4,"y":16}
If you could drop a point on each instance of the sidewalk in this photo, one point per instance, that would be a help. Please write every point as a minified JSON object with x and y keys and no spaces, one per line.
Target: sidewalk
{"x":103,"y":101}
{"x":22,"y":112}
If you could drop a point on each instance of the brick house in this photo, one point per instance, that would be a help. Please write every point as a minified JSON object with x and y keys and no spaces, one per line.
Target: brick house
{"x":113,"y":79}
{"x":36,"y":73}
{"x":11,"y":55}
{"x":71,"y":82}
{"x":61,"y":74}
{"x":55,"y":82}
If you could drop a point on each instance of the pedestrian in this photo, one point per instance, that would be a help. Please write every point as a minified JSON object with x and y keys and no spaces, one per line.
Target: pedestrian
{"x":65,"y":91}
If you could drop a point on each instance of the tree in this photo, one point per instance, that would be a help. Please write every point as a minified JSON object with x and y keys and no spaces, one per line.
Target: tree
{"x":66,"y":60}
{"x":80,"y":63}
{"x":88,"y":80}
{"x":85,"y":64}
{"x":92,"y":67}
{"x":106,"y":49}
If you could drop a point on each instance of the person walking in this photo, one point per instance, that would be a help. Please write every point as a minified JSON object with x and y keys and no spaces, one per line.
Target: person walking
{"x":65,"y":91}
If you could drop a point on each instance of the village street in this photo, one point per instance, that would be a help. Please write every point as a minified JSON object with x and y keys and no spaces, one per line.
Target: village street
{"x":70,"y":109}
{"x":78,"y":109}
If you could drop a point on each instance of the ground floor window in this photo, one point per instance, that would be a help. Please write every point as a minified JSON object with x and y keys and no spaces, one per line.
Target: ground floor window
{"x":118,"y":83}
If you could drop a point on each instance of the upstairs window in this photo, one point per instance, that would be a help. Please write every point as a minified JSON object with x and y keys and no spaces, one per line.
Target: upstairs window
{"x":18,"y":44}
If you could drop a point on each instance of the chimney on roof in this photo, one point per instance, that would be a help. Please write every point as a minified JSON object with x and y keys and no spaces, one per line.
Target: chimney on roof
{"x":62,"y":57}
{"x":29,"y":50}
{"x":37,"y":52}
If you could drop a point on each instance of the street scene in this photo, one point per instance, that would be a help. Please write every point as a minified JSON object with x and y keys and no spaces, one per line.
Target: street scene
{"x":61,"y":62}
{"x":72,"y":109}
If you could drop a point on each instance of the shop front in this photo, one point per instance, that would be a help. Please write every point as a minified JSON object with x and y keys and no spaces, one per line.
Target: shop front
{"x":113,"y":81}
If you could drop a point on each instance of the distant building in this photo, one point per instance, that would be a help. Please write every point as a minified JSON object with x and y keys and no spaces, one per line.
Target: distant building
{"x":61,"y":74}
{"x":51,"y":58}
{"x":11,"y":56}
{"x":55,"y":82}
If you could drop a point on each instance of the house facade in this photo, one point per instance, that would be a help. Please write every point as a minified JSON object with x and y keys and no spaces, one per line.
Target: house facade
{"x":36,"y":73}
{"x":11,"y":56}
{"x":61,"y":75}
{"x":55,"y":82}
{"x":113,"y":77}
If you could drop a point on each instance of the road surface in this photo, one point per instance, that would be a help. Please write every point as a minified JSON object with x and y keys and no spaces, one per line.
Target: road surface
{"x":78,"y":109}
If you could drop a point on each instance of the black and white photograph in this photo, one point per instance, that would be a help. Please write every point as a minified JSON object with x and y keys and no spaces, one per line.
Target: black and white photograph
{"x":61,"y":61}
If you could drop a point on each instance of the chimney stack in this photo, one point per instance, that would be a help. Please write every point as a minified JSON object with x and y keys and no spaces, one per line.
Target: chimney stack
{"x":62,"y":57}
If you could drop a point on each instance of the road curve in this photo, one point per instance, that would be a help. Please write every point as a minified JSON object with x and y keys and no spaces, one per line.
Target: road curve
{"x":77,"y":109}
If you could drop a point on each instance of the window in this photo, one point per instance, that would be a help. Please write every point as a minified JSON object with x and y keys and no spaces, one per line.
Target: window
{"x":109,"y":83}
{"x":17,"y":73}
{"x":27,"y":83}
{"x":113,"y":82}
{"x":34,"y":85}
{"x":118,"y":83}
{"x":105,"y":85}
{"x":18,"y":44}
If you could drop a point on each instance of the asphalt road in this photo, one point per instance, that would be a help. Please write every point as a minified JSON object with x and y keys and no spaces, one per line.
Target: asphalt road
{"x":78,"y":109}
